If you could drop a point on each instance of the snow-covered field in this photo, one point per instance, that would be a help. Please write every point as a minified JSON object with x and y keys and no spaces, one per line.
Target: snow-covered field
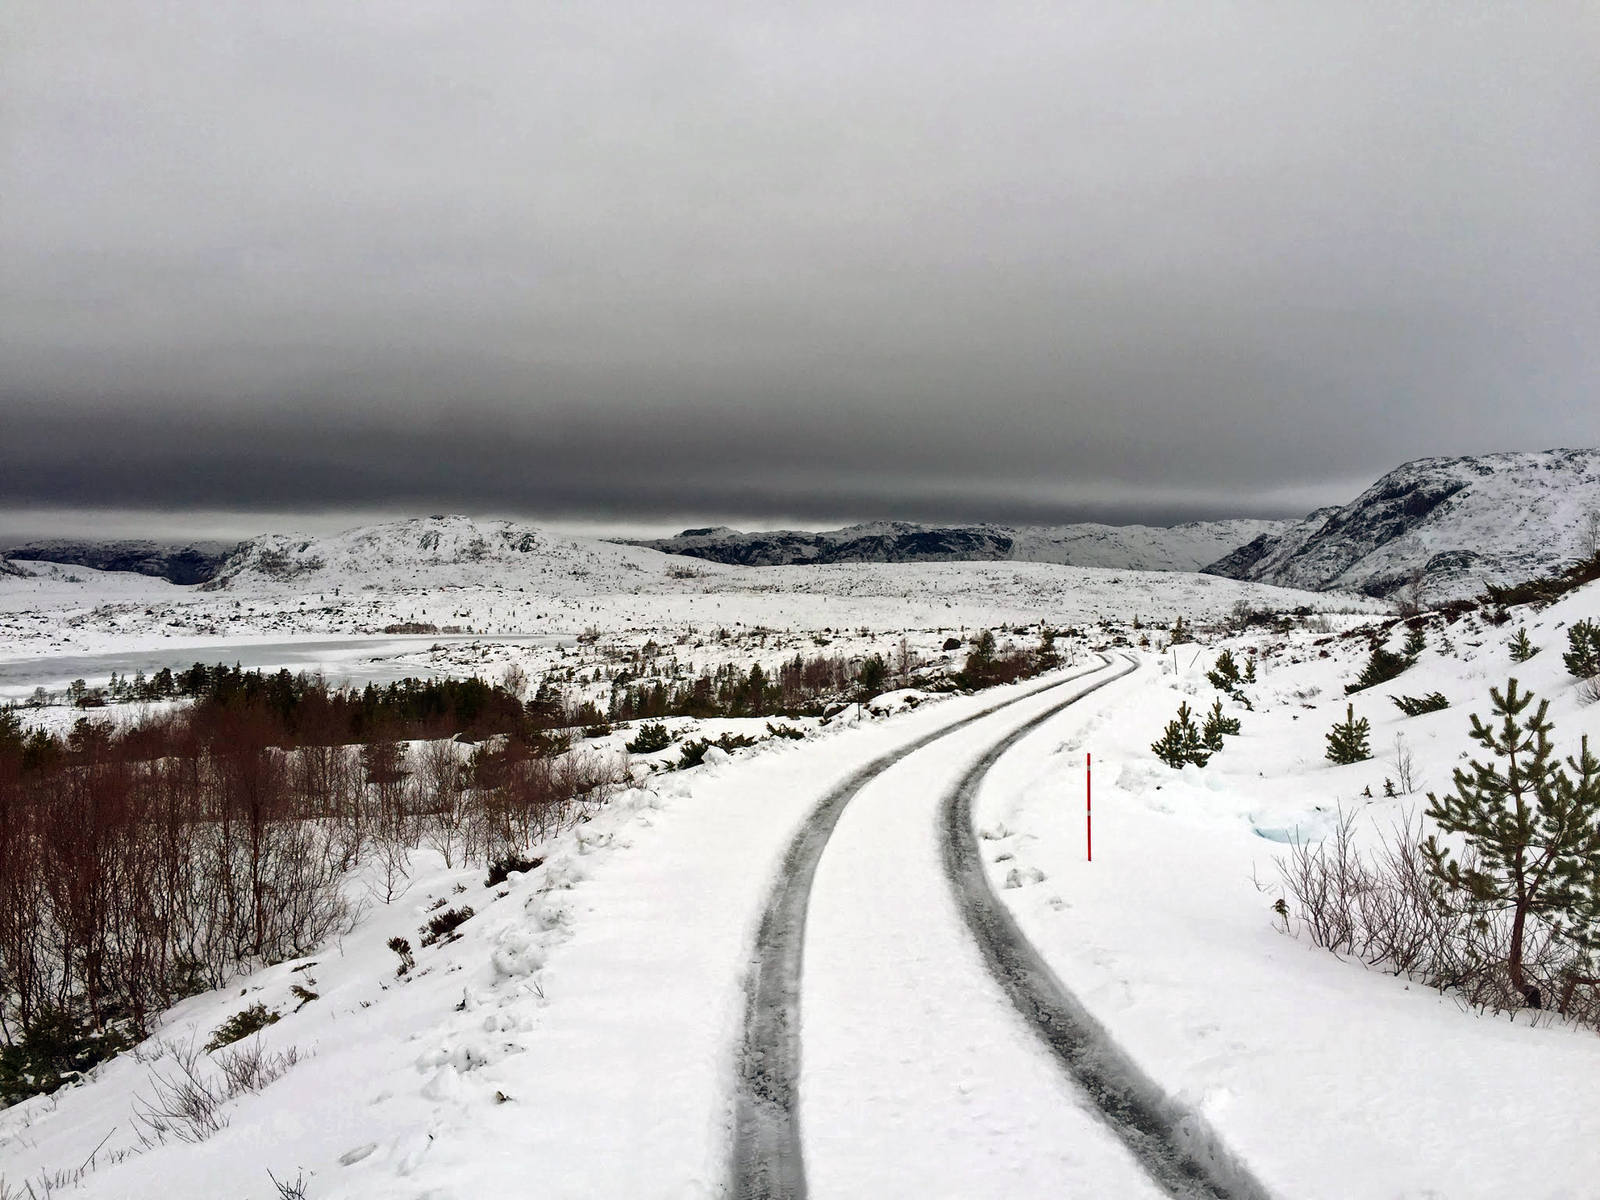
{"x":581,"y":1036}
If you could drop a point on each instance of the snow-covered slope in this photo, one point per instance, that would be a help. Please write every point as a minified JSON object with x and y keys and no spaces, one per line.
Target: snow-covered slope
{"x":1464,"y":522}
{"x":190,"y":562}
{"x":1185,"y":547}
{"x":433,"y":551}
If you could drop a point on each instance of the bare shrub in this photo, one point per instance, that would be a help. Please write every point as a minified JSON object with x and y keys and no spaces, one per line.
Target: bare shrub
{"x":444,"y":801}
{"x":1384,"y":908}
{"x":185,"y":1102}
{"x":1404,"y":763}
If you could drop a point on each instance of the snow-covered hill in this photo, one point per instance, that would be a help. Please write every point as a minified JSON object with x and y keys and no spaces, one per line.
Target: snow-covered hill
{"x":187,"y":562}
{"x":1463,"y":522}
{"x":434,"y":551}
{"x":1185,"y":547}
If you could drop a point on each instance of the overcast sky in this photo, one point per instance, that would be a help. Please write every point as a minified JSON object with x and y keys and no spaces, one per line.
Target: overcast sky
{"x":648,"y":264}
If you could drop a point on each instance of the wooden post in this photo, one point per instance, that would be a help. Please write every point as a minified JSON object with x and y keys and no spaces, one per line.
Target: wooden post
{"x":1088,"y":805}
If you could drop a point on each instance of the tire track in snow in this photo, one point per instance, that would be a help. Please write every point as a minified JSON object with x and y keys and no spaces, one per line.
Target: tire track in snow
{"x":768,"y":1163}
{"x":1174,"y":1144}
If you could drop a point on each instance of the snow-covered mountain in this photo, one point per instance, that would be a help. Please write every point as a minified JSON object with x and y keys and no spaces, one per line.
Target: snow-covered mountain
{"x":1463,"y":522}
{"x":432,"y":551}
{"x":1185,"y":547}
{"x":187,"y":562}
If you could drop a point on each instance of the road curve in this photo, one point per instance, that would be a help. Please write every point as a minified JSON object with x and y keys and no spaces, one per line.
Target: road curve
{"x":1174,"y":1144}
{"x":768,"y":1163}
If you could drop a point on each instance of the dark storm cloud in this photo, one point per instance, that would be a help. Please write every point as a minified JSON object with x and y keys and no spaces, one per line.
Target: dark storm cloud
{"x":1010,"y":262}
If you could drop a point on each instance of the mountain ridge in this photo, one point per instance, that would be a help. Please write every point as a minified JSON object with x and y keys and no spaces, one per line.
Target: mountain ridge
{"x":1454,"y":525}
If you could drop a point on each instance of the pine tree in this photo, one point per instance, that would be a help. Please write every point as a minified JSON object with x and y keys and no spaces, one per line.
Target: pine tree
{"x":1535,"y":830}
{"x":1382,"y":665}
{"x":1180,"y":633}
{"x":1216,"y":726}
{"x":1416,"y":643}
{"x":1521,"y":648}
{"x":1225,"y":675}
{"x":1347,"y":742}
{"x":1181,"y":743}
{"x":1583,"y":659}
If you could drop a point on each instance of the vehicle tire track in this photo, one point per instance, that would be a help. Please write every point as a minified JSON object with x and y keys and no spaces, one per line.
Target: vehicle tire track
{"x":1174,"y":1144}
{"x":768,"y":1163}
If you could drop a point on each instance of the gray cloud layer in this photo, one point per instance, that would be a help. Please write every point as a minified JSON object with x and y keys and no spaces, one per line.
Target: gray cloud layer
{"x":1011,"y":262}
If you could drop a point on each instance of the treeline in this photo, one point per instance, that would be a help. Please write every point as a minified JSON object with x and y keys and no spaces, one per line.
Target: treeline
{"x":800,"y":687}
{"x":804,"y":687}
{"x":301,"y":710}
{"x":141,"y":865}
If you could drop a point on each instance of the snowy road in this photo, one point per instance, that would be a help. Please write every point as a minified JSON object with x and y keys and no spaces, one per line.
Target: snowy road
{"x":920,"y":1078}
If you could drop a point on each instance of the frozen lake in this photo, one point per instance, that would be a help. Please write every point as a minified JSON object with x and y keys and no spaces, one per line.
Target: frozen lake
{"x":359,"y":661}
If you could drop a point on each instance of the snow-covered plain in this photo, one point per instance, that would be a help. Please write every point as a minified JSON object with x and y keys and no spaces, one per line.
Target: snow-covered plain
{"x":579,"y":1038}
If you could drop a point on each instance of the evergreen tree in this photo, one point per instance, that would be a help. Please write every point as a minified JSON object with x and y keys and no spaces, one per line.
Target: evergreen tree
{"x":1225,"y":675}
{"x":1347,"y":741}
{"x":1181,"y":743}
{"x":1535,"y":830}
{"x":1382,"y":665}
{"x":1583,"y":659}
{"x":11,"y":738}
{"x":1216,"y":726}
{"x":1416,"y":643}
{"x":875,"y":671}
{"x":1521,"y":648}
{"x":1180,"y":632}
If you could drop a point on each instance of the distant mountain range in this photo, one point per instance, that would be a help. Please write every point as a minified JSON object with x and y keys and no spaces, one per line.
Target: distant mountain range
{"x":180,"y":562}
{"x":1186,"y":547}
{"x":1461,"y":522}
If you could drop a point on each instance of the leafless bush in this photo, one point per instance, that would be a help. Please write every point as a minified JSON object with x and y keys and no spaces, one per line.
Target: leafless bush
{"x":1589,"y":690}
{"x":289,"y":1191}
{"x":445,"y":802}
{"x":1404,"y":763}
{"x":1384,"y":908}
{"x":186,"y":1100}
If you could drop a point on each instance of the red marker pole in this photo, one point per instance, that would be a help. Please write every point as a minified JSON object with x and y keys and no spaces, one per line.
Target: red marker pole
{"x":1088,"y":805}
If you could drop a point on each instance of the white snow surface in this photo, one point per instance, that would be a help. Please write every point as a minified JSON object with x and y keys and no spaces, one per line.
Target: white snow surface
{"x":579,"y":1038}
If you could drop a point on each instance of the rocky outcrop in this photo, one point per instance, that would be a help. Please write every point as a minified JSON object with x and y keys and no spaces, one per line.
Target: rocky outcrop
{"x":1457,"y":524}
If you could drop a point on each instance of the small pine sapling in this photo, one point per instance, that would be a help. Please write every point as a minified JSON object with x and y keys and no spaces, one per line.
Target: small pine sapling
{"x":1217,"y":726}
{"x":650,"y":738}
{"x":1225,"y":675}
{"x":1347,"y":741}
{"x":1583,"y":657}
{"x":1521,"y":648}
{"x":1534,"y":828}
{"x":1250,"y":669}
{"x":1180,"y":632}
{"x":1416,"y":643}
{"x":1181,"y":743}
{"x":1415,"y":706}
{"x":1382,"y":665}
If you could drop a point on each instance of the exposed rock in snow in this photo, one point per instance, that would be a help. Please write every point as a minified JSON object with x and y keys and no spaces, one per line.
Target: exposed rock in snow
{"x":1464,"y":522}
